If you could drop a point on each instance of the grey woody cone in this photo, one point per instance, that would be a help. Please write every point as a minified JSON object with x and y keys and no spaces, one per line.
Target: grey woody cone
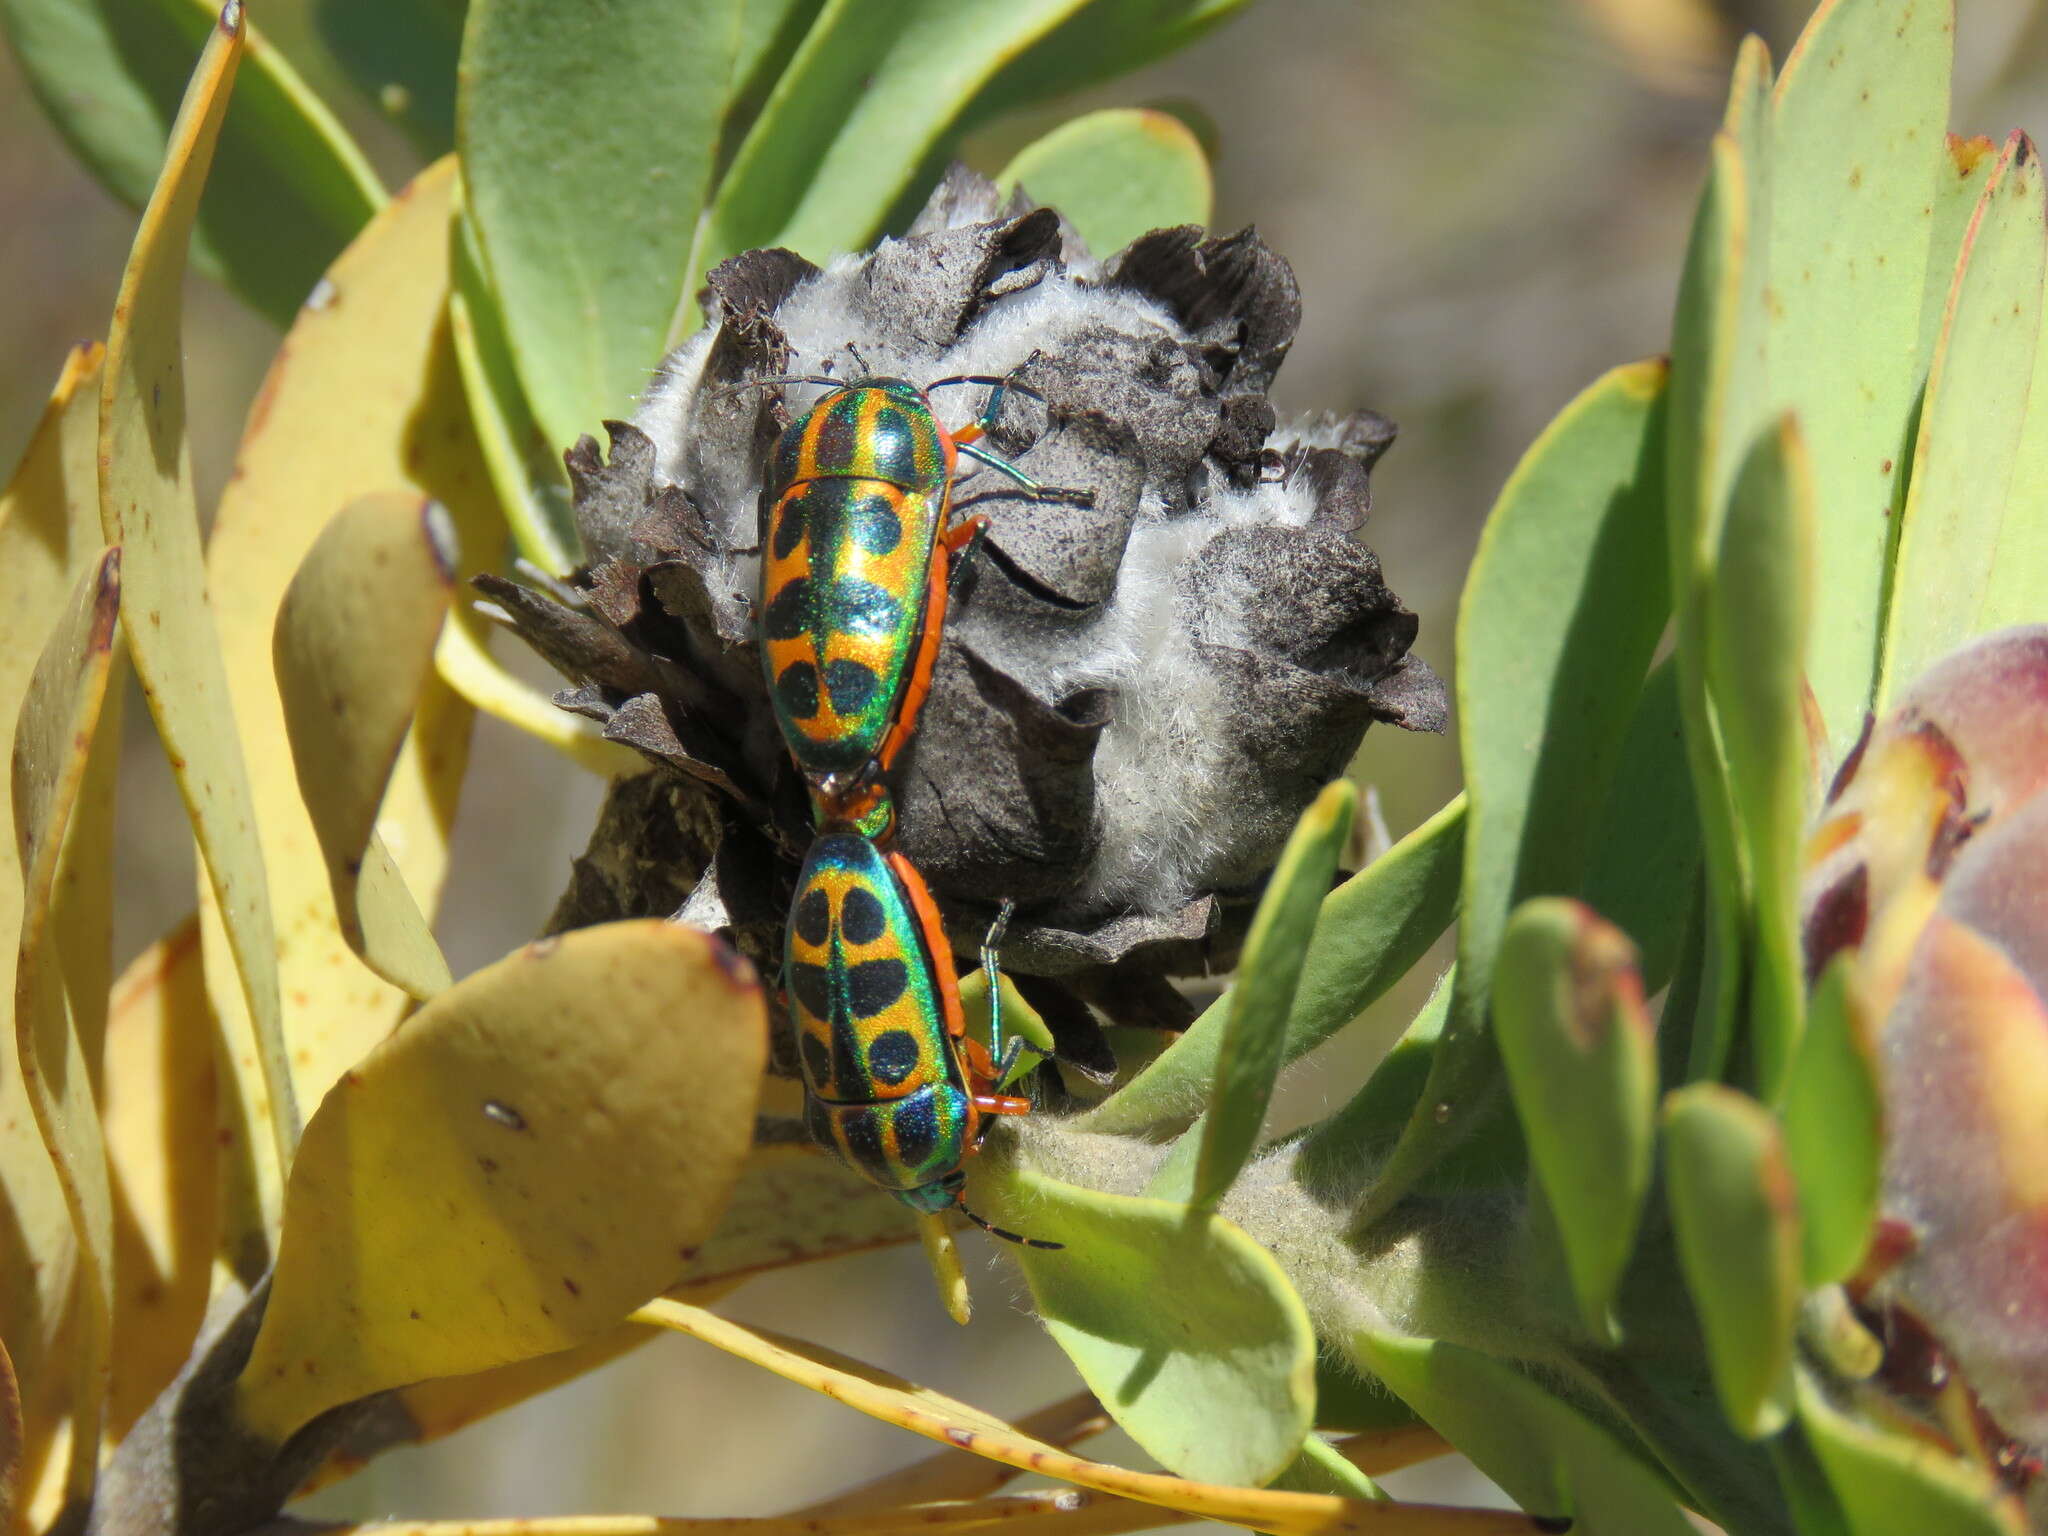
{"x":1135,"y":698}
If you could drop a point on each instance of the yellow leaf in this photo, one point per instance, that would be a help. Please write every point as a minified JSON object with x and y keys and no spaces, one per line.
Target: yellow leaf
{"x":147,"y":507}
{"x":467,"y":665}
{"x":158,"y":1108}
{"x":354,"y":644}
{"x":791,"y":1205}
{"x":49,"y":531}
{"x":430,"y":1410}
{"x":938,"y":1417}
{"x":796,"y":1205}
{"x":362,"y":398}
{"x":10,"y":1441}
{"x":535,"y":1153}
{"x":53,"y":740}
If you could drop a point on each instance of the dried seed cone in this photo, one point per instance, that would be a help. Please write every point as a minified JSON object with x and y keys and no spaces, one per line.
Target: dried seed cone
{"x":1135,"y":697}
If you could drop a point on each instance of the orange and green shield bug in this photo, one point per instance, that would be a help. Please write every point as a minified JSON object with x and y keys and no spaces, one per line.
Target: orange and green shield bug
{"x":895,"y":1085}
{"x":856,"y":551}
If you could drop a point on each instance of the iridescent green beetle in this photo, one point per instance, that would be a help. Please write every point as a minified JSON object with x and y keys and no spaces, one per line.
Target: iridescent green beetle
{"x":896,"y":1086}
{"x":855,"y":552}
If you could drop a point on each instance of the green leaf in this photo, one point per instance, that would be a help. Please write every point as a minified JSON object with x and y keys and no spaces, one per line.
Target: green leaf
{"x":1561,"y":613}
{"x":1186,"y":1329}
{"x":1892,"y":1484}
{"x":864,"y":103}
{"x":1812,"y":1504}
{"x":2019,"y":569}
{"x":1581,"y":1056}
{"x":1856,"y":154}
{"x":291,"y":187}
{"x":1958,"y":185}
{"x":401,"y":54}
{"x":1116,"y":174}
{"x":514,"y":1171}
{"x":1644,"y":868}
{"x":1717,"y":403}
{"x":589,"y":137}
{"x":1255,"y":1035}
{"x":1347,"y":1402}
{"x":1359,"y":1135}
{"x":1549,"y":1457}
{"x":1833,"y":1111}
{"x":1101,"y":40}
{"x":1321,"y":1469}
{"x":1960,"y":499}
{"x":1372,"y":928}
{"x":525,"y":470}
{"x":1735,"y":1214}
{"x":382,"y":567}
{"x":1757,"y":622}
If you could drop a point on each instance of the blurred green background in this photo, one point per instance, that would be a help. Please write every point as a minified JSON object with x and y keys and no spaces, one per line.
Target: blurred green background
{"x":1486,"y":203}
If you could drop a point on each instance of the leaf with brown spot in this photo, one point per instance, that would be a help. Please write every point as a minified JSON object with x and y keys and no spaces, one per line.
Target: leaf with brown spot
{"x":353,"y":646}
{"x":578,"y":1110}
{"x":147,"y":507}
{"x":49,"y":531}
{"x":53,"y":740}
{"x":377,"y":339}
{"x":157,"y":1103}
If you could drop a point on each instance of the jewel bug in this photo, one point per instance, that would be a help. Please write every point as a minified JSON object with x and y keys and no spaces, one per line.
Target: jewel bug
{"x":895,"y":1085}
{"x":857,"y":552}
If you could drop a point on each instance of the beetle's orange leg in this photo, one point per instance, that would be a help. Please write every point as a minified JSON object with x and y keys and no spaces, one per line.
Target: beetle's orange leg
{"x":968,"y":530}
{"x":1001,"y":1104}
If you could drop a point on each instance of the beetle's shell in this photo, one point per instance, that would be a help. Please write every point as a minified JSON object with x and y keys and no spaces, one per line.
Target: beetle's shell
{"x":869,"y":999}
{"x":849,"y":526}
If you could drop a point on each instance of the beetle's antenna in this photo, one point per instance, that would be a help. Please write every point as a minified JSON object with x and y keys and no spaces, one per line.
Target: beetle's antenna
{"x":793,"y":378}
{"x":1006,"y":1235}
{"x":855,"y":351}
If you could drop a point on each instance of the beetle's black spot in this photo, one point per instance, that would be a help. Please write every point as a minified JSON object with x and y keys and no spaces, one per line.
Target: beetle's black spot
{"x":788,"y":613}
{"x":873,"y":985}
{"x":872,"y":523}
{"x":894,"y":445}
{"x":851,"y":685}
{"x":797,"y":690}
{"x":863,"y":1134}
{"x":838,"y":433}
{"x":817,"y":1058}
{"x":917,"y":1130}
{"x":859,"y":607}
{"x":790,"y":524}
{"x":892,"y":1056}
{"x":814,"y":917}
{"x":811,"y":986}
{"x":861,"y":918}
